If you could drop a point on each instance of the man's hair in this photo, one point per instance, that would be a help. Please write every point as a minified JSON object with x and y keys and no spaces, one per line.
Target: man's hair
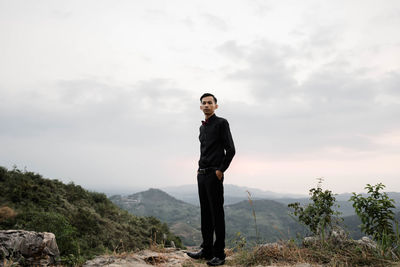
{"x":208,"y":94}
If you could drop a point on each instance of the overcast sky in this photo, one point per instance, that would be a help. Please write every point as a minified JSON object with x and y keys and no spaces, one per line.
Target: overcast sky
{"x":106,"y":93}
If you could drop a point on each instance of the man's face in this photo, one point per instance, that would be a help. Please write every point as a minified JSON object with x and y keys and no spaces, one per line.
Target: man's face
{"x":208,"y":105}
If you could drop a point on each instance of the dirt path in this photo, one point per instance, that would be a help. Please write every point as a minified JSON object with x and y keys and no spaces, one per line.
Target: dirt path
{"x":165,"y":258}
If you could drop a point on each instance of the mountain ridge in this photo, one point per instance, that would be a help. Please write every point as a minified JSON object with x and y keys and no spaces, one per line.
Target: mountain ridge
{"x":184,"y":218}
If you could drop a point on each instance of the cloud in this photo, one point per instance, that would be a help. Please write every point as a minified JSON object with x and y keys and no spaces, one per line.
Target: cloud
{"x":89,"y":110}
{"x":91,"y":129}
{"x":265,"y":67}
{"x":335,"y":107}
{"x":215,"y":22}
{"x":119,"y":97}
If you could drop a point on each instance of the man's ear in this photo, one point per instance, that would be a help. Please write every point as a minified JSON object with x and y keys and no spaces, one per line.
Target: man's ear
{"x":216,"y":106}
{"x":201,"y":107}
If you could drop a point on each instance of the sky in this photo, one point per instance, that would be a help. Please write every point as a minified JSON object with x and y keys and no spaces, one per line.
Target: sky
{"x":105,"y":94}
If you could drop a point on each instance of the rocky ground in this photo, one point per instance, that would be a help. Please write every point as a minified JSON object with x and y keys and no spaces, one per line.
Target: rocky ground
{"x":162,"y":258}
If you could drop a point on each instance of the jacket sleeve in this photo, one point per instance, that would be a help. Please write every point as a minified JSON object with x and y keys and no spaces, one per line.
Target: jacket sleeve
{"x":228,"y":144}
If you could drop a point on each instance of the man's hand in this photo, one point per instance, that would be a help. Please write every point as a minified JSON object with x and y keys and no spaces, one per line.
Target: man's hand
{"x":219,"y":174}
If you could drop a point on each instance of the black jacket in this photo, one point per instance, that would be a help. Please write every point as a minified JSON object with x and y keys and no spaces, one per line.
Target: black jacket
{"x":216,"y":144}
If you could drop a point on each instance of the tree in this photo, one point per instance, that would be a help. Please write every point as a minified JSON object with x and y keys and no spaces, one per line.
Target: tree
{"x":375,"y":212}
{"x":319,"y":216}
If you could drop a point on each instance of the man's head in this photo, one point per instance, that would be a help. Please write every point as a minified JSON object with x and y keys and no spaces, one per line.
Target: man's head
{"x":208,"y":104}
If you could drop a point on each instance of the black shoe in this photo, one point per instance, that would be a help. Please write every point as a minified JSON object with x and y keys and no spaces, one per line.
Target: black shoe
{"x":216,"y":261}
{"x":200,"y":255}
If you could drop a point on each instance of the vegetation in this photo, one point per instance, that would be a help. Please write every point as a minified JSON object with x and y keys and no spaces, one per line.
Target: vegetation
{"x":376,"y":214}
{"x":183,"y":219}
{"x":85,"y":223}
{"x":327,"y":254}
{"x":378,"y":218}
{"x":319,"y":216}
{"x":254,"y":216}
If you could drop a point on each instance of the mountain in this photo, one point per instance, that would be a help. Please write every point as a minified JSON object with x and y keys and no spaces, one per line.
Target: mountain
{"x":273,"y":221}
{"x":182,"y":218}
{"x":232,"y":193}
{"x":272,"y":216}
{"x":85,"y":223}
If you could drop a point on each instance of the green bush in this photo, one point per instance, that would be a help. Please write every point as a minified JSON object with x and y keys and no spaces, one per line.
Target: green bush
{"x":376,"y":213}
{"x":319,"y":216}
{"x":55,"y":223}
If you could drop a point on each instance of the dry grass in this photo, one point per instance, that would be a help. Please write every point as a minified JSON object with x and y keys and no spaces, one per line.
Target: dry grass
{"x":326,"y":254}
{"x":6,"y":213}
{"x":8,"y":263}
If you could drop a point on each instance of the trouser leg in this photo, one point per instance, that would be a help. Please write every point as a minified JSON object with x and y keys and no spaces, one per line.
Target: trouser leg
{"x":207,"y":228}
{"x":211,"y":194}
{"x":217,"y":200}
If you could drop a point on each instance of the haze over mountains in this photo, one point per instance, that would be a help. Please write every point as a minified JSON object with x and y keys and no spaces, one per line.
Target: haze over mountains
{"x":273,"y":222}
{"x":180,"y":210}
{"x":232,"y":193}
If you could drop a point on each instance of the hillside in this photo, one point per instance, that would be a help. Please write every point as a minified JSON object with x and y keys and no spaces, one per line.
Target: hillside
{"x":183,"y":219}
{"x":85,"y":223}
{"x":273,"y":221}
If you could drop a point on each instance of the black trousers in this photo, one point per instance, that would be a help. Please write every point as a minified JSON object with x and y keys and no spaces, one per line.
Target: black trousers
{"x":211,"y":195}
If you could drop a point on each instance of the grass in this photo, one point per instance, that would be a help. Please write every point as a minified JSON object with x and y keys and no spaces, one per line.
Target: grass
{"x":325,"y":253}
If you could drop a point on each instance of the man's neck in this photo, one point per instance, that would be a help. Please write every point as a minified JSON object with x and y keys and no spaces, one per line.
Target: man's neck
{"x":208,"y":116}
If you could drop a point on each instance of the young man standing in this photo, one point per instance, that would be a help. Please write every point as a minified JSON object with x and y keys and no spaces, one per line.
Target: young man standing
{"x":216,"y":153}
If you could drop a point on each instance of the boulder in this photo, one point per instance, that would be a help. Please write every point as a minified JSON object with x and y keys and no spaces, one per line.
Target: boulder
{"x":366,"y":242}
{"x":274,"y":245}
{"x":28,"y":248}
{"x":339,"y":238}
{"x":310,"y":240}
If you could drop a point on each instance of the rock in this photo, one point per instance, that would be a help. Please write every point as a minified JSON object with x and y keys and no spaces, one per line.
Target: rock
{"x":274,"y":245}
{"x":29,"y":248}
{"x":339,"y":235}
{"x":366,"y":242}
{"x":166,"y":257}
{"x":310,"y":240}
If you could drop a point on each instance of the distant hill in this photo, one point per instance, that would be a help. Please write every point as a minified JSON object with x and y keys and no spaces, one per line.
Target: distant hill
{"x":273,"y":219}
{"x":85,"y":223}
{"x":183,"y":218}
{"x":232,"y":193}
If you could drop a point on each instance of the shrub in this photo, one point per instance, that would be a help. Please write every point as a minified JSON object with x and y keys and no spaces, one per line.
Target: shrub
{"x":375,"y":212}
{"x":319,"y":216}
{"x":6,"y":213}
{"x":54,"y":223}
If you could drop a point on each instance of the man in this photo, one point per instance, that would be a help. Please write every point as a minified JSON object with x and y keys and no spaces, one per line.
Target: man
{"x":216,"y":153}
